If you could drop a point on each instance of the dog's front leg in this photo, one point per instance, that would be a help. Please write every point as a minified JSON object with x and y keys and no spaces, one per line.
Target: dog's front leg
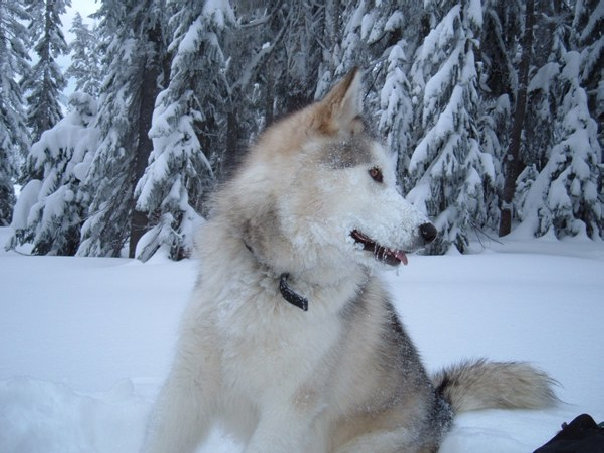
{"x":183,"y":413}
{"x":291,"y":431}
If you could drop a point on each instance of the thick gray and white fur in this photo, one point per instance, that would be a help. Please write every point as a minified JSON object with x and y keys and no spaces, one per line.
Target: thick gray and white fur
{"x":314,"y":211}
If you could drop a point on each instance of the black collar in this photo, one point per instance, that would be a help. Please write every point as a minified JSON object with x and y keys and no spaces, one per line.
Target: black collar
{"x":286,"y":291}
{"x":290,"y":295}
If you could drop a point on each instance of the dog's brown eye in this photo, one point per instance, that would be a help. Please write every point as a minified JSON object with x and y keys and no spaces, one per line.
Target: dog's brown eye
{"x":376,"y":174}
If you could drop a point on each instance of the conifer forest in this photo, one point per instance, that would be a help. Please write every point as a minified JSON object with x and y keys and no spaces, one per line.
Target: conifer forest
{"x":493,"y":110}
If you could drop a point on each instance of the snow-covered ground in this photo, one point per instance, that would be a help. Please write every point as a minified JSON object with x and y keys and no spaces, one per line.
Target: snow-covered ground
{"x":85,"y":342}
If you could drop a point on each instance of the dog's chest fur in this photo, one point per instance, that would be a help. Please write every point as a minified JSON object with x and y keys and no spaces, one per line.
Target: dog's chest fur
{"x":269,"y":346}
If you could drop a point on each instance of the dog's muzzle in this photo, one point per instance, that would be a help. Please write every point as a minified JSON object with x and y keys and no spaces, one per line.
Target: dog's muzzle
{"x":393,"y":257}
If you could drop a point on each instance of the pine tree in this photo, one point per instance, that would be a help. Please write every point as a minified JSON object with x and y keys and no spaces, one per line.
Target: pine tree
{"x":44,"y":83}
{"x":187,"y":115}
{"x":587,"y":23}
{"x":513,"y":162}
{"x":493,"y":121}
{"x":353,"y":50}
{"x":299,"y":53}
{"x":330,"y":37}
{"x":449,"y":171}
{"x":360,"y":39}
{"x":7,"y":192}
{"x":287,"y":55}
{"x":375,"y":36}
{"x":14,"y":137}
{"x":396,"y":109}
{"x":276,"y":71}
{"x":544,"y":94}
{"x":498,"y":89}
{"x":560,"y":186}
{"x":500,"y":48}
{"x":134,"y":67}
{"x":52,"y":205}
{"x":391,"y":38}
{"x":85,"y":61}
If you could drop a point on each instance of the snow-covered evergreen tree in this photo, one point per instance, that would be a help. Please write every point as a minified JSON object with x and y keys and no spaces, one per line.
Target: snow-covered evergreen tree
{"x":300,"y":54}
{"x":377,"y":37}
{"x":330,"y":37}
{"x":206,"y":82}
{"x":352,"y":49}
{"x":52,"y":205}
{"x":7,"y":191}
{"x":560,"y":194}
{"x":44,"y":83}
{"x":513,"y":164}
{"x":493,"y":121}
{"x":545,"y":93}
{"x":14,"y":137}
{"x":500,"y":50}
{"x":287,"y":57}
{"x":361,"y":32}
{"x":558,"y":190}
{"x":276,"y":70}
{"x":85,"y":65}
{"x":449,"y":171}
{"x":396,"y":109}
{"x":587,"y":23}
{"x":185,"y":121}
{"x":133,"y":66}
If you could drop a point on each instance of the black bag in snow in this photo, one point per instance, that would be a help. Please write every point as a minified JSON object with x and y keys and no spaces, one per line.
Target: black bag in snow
{"x":582,"y":435}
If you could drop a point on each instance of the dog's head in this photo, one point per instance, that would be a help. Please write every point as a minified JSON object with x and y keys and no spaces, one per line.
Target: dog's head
{"x":318,"y":190}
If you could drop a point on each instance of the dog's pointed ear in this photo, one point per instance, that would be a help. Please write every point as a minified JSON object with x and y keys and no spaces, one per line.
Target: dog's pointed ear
{"x":339,"y":112}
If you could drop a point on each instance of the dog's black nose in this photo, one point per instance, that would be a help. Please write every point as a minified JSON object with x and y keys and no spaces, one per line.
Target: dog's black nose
{"x":428,"y":232}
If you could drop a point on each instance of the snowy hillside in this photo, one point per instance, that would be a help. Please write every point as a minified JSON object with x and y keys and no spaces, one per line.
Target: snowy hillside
{"x":86,"y":342}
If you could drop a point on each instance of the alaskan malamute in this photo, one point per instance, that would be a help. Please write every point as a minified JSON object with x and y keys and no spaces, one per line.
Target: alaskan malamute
{"x":290,"y":341}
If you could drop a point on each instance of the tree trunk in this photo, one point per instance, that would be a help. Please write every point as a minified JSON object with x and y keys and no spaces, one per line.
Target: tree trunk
{"x":230,"y":156}
{"x":149,"y":90}
{"x":513,"y":166}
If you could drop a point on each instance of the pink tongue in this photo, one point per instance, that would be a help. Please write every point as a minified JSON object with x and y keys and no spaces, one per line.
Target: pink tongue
{"x":400,"y":256}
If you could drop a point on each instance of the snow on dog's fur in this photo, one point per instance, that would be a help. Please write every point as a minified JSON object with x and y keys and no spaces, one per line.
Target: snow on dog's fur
{"x":290,"y":341}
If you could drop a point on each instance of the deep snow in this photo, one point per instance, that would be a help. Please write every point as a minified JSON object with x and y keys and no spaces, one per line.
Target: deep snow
{"x":86,"y":342}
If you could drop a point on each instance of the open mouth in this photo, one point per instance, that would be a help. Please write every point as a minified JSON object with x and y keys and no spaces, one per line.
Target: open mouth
{"x":381,"y":253}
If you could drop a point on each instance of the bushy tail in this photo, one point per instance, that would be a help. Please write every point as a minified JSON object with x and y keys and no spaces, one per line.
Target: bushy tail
{"x":482,"y":384}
